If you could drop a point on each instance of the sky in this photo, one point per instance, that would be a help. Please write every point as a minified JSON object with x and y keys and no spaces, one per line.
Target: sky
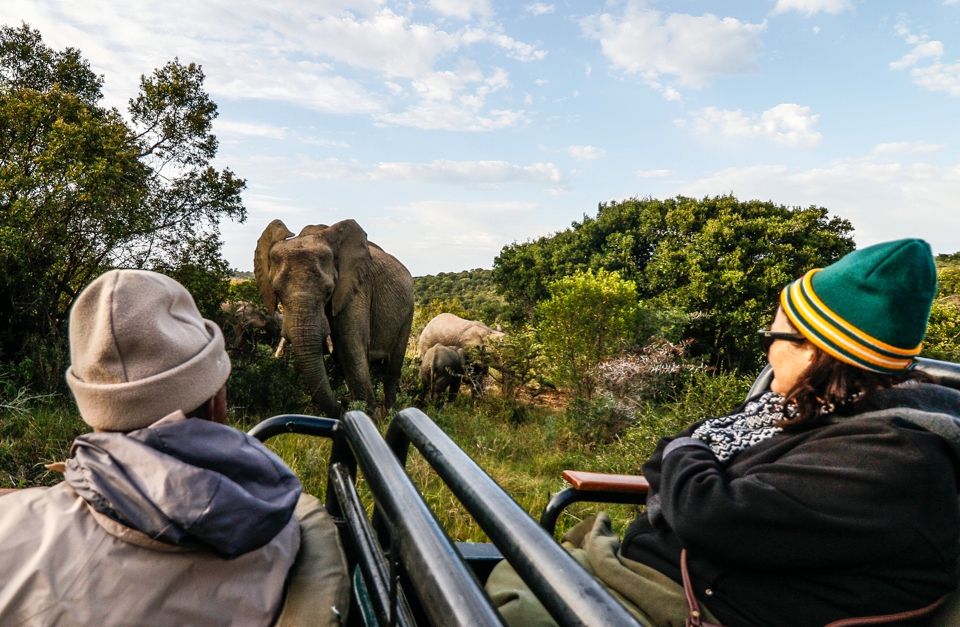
{"x":450,"y":128}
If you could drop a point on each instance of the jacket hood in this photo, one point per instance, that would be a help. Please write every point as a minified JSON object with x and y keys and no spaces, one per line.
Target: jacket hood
{"x":191,"y":483}
{"x":927,"y":406}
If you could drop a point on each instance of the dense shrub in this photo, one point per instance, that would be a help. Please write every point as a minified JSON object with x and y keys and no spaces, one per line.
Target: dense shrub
{"x":722,"y":259}
{"x":588,"y":317}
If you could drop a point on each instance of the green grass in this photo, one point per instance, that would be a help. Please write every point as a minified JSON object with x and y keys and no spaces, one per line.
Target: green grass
{"x":524,"y":447}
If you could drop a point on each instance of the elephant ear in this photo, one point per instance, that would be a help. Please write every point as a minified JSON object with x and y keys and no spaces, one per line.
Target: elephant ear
{"x":275,"y":232}
{"x":352,"y":253}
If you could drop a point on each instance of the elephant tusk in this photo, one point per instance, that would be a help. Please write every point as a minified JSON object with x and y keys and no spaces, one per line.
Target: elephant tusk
{"x":279,"y":353}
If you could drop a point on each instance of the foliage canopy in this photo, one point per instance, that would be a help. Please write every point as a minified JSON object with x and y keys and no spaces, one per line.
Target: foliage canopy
{"x":721,"y":260}
{"x":83,"y":190}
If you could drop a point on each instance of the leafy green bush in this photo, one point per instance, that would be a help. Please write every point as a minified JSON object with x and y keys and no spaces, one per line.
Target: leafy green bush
{"x":589,"y":317}
{"x":720,"y":258}
{"x":263,"y":385}
{"x":516,"y":361}
{"x":943,"y":331}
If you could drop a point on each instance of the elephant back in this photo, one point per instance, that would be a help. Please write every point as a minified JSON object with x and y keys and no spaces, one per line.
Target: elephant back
{"x":451,"y":330}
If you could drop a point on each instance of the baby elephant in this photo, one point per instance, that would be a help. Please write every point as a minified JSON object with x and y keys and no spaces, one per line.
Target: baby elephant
{"x":441,"y":370}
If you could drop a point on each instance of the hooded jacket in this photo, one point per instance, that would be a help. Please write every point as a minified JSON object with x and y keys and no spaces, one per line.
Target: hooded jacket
{"x":186,"y":522}
{"x":852,"y":518}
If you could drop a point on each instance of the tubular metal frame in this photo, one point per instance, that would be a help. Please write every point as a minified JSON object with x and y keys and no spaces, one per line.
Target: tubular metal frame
{"x":566,"y":589}
{"x":419,"y":549}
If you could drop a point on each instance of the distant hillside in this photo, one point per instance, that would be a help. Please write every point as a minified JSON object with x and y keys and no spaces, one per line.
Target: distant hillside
{"x":472,"y":290}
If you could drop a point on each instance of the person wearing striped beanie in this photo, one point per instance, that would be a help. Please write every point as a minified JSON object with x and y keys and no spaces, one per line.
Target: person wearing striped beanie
{"x":870,"y":309}
{"x":833,"y":494}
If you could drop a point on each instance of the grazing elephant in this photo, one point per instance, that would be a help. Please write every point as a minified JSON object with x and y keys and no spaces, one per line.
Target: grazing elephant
{"x":441,"y":370}
{"x":453,"y":331}
{"x":246,"y":325}
{"x":333,"y":283}
{"x":450,"y":330}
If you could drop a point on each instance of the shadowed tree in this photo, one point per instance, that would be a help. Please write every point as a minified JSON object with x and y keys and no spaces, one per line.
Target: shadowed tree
{"x":82,"y":189}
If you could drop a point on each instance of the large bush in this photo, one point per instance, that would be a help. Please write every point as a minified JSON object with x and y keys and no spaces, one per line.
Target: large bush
{"x":943,"y":332}
{"x":588,"y":317}
{"x":721,"y":260}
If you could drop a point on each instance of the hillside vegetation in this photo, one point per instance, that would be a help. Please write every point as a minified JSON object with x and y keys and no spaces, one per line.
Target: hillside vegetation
{"x":472,"y":291}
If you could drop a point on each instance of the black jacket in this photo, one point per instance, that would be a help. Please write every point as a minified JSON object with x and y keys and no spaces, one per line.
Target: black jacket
{"x":855,"y":517}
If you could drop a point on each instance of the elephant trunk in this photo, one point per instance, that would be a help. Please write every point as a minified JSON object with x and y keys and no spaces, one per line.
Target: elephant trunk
{"x":308,"y":335}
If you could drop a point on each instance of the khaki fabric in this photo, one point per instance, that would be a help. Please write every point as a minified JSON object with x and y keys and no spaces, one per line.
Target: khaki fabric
{"x":652,"y":597}
{"x":62,"y":565}
{"x":318,"y":591}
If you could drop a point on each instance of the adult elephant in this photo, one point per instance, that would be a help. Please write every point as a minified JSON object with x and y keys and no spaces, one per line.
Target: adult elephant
{"x":333,"y":283}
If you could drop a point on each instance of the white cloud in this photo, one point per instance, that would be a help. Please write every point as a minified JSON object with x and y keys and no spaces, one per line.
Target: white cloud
{"x":438,"y":235}
{"x":654,"y":173}
{"x":694,"y":49}
{"x":937,"y":76}
{"x":516,"y":49}
{"x":305,"y":54}
{"x":471,"y":173}
{"x":922,"y":49}
{"x":883,"y":201}
{"x":464,"y":9}
{"x":585,"y":153}
{"x":785,"y":124}
{"x":917,"y":147}
{"x":226,"y":127}
{"x":447,"y":105}
{"x":449,"y":117}
{"x":812,"y":7}
{"x":539,"y":8}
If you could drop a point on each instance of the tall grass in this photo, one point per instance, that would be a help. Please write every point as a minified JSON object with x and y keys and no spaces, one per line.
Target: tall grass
{"x":524,"y":447}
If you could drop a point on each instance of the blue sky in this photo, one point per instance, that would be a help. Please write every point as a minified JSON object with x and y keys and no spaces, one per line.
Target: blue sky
{"x":450,"y":128}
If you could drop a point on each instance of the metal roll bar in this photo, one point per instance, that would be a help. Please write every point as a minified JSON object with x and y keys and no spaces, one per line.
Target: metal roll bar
{"x":566,"y":589}
{"x":448,"y":591}
{"x":295,"y":423}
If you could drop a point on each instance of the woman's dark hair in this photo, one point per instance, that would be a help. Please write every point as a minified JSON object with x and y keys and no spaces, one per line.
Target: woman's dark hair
{"x":831,"y":383}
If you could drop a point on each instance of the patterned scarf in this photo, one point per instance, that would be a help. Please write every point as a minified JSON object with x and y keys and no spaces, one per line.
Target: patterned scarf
{"x":728,"y":435}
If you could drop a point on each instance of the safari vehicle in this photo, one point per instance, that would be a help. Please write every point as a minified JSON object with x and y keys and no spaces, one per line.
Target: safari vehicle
{"x":405,"y":569}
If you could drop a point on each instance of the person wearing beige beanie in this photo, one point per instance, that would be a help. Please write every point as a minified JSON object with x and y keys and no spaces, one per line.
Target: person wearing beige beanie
{"x":166,"y":516}
{"x":139,"y":350}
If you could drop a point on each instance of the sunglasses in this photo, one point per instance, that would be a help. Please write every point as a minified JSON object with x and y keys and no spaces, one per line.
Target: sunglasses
{"x":767,"y":338}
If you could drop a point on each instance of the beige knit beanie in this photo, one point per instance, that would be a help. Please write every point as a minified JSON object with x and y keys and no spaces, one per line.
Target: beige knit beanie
{"x":140,"y":350}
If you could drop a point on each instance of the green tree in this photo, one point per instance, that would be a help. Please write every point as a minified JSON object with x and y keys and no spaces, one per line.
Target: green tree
{"x":721,"y":260}
{"x":588,"y":317}
{"x":943,"y":331}
{"x":83,"y":190}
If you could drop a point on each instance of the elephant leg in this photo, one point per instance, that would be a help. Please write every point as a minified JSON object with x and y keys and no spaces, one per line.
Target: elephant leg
{"x":394,"y":370}
{"x":351,"y":341}
{"x":454,"y":388}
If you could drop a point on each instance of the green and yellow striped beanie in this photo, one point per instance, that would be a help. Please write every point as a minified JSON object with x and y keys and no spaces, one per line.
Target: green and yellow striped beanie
{"x":870,"y":309}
